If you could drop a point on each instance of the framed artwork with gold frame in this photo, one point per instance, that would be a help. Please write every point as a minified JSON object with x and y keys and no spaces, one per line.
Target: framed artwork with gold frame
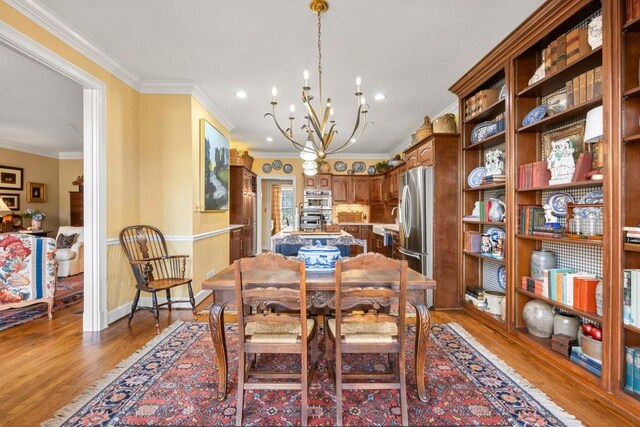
{"x":36,"y":192}
{"x":575,"y":135}
{"x":11,"y":200}
{"x":214,"y":169}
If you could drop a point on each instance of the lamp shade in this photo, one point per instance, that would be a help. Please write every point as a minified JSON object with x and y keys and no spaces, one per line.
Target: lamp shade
{"x":593,"y":130}
{"x":3,"y":207}
{"x":310,"y":172}
{"x":309,"y":152}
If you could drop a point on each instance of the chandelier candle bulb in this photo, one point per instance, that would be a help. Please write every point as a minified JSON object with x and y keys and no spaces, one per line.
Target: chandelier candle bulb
{"x":305,"y":75}
{"x":274,"y":93}
{"x":358,"y":83}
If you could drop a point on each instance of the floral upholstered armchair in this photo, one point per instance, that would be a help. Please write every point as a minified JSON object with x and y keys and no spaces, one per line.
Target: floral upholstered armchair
{"x":27,"y":271}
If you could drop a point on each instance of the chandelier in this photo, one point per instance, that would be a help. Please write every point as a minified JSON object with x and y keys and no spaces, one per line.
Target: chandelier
{"x":319,"y":130}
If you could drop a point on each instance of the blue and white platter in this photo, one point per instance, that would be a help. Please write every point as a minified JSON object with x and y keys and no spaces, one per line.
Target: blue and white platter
{"x":287,"y":168}
{"x":319,"y":257}
{"x":483,"y":130}
{"x":475,"y":177}
{"x":340,"y":166}
{"x":266,"y":168}
{"x":502,"y":277}
{"x":559,"y":201}
{"x":592,"y":198}
{"x":535,"y":115}
{"x":276,"y":165}
{"x":358,"y":167}
{"x":496,"y":233}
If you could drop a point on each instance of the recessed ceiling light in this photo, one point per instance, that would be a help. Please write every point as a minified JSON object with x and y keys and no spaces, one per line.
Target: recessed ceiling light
{"x":380,"y":97}
{"x":269,"y":139}
{"x":241,"y":94}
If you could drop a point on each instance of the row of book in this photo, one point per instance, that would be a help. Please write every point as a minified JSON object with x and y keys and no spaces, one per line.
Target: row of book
{"x":566,"y":50}
{"x":531,"y":222}
{"x":584,"y":87}
{"x":532,"y":175}
{"x":589,"y":363}
{"x":484,"y":208}
{"x":477,"y":103}
{"x":566,"y":286}
{"x":631,"y":297}
{"x":632,"y":235}
{"x":632,"y":9}
{"x":632,"y":369}
{"x":475,"y":296}
{"x":488,"y":179}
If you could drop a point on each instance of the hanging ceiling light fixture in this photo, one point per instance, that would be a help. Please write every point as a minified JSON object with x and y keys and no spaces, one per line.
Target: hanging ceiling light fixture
{"x":319,"y":131}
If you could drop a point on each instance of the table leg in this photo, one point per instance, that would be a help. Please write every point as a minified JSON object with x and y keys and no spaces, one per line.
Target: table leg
{"x":216,"y":327}
{"x":423,"y":327}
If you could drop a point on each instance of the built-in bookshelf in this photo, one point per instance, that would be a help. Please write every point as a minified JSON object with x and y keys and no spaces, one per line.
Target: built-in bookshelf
{"x":611,"y":76}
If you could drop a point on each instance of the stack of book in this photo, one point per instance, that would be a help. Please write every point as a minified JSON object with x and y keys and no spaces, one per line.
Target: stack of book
{"x":494,"y":178}
{"x":592,"y":365}
{"x":584,"y":88}
{"x":632,"y":235}
{"x":533,"y":175}
{"x":531,"y":285}
{"x":477,"y":103}
{"x":632,"y":10}
{"x":632,"y":364}
{"x":566,"y":286}
{"x":631,"y":297}
{"x":531,"y":222}
{"x":566,"y":50}
{"x":475,"y":296}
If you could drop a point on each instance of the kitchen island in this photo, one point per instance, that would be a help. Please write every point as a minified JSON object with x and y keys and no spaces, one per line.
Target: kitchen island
{"x":313,"y":236}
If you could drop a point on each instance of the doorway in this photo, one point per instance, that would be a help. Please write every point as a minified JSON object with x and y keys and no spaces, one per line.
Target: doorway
{"x":276,"y":207}
{"x":94,"y":170}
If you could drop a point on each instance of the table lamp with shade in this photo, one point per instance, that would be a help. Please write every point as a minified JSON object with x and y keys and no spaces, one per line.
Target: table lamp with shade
{"x":7,"y":221}
{"x":593,"y":138}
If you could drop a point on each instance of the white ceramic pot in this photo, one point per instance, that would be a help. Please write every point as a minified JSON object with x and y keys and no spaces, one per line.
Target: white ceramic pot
{"x":566,"y":324}
{"x":503,"y":309}
{"x":538,"y":316}
{"x":319,"y":257}
{"x":494,"y":301}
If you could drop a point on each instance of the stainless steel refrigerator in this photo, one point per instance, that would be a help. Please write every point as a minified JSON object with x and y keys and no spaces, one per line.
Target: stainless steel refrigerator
{"x":416,"y":221}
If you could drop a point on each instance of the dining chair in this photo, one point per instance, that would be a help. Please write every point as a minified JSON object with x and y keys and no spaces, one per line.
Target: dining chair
{"x":290,"y":239}
{"x":264,"y":329}
{"x":374,"y":331}
{"x":153,"y":268}
{"x":349,"y":241}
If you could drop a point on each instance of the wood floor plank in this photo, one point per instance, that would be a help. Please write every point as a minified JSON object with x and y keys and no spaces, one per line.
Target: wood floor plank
{"x":45,"y":364}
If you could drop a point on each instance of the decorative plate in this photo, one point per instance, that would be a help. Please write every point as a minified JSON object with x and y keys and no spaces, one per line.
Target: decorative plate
{"x":592,"y":198}
{"x":483,"y":130}
{"x":503,"y":92}
{"x":287,"y":168}
{"x":475,"y":177}
{"x":502,"y":277}
{"x":266,"y":168}
{"x":276,"y":165}
{"x":557,"y":102}
{"x":358,"y":167}
{"x":371,"y":170}
{"x":558,"y":203}
{"x":340,"y":166}
{"x":496,"y":233}
{"x":535,"y":115}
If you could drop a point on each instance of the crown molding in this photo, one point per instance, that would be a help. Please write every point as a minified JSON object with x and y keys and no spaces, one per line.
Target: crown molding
{"x":37,"y":151}
{"x":53,"y":23}
{"x":340,"y":156}
{"x":406,"y":143}
{"x":71,"y":155}
{"x":204,"y":99}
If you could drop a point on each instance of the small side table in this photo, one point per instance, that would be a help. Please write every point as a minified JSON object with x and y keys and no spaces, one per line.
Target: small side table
{"x":37,"y":233}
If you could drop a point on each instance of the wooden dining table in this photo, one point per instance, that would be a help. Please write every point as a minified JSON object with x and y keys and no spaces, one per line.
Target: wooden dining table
{"x":320,"y":289}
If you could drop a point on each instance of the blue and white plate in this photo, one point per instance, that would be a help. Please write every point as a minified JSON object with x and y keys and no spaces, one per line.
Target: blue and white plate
{"x":358,"y":167}
{"x":592,"y":198}
{"x":276,"y":165}
{"x":266,"y":168}
{"x":483,"y":130}
{"x":502,"y":277}
{"x":475,"y":177}
{"x":496,"y":233}
{"x":340,"y":166}
{"x":558,"y":203}
{"x":535,"y":115}
{"x":503,"y":92}
{"x":287,"y":168}
{"x":371,"y":170}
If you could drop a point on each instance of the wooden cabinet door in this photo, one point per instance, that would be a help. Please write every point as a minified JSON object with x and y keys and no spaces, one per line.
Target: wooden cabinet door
{"x":366,"y":233}
{"x":340,"y":187}
{"x":360,"y":190}
{"x":411,"y":159}
{"x":392,"y":186}
{"x":235,"y":245}
{"x":376,"y":193}
{"x":309,"y":182}
{"x":323,"y":182}
{"x":425,"y":154}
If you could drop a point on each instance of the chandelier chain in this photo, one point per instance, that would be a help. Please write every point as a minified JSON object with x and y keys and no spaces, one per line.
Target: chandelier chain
{"x":320,"y":56}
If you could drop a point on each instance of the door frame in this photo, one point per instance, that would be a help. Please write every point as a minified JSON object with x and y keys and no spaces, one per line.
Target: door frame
{"x":291,"y":178}
{"x":94,"y":168}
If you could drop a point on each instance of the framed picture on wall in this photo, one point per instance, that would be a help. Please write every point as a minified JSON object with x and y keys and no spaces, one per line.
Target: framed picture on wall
{"x":214,"y":168}
{"x":37,"y":192}
{"x":10,"y":178}
{"x":11,"y":200}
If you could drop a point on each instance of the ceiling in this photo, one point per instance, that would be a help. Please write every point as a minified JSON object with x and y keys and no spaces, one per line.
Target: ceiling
{"x":40,"y":110}
{"x":411,"y":50}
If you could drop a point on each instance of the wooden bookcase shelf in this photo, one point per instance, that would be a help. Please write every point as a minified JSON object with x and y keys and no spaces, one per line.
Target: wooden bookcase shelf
{"x":562,"y":186}
{"x":568,"y":114}
{"x":632,"y":26}
{"x":631,"y":247}
{"x":495,"y":319}
{"x":472,"y":221}
{"x":633,"y":93}
{"x":632,"y":328}
{"x":488,"y":113}
{"x":632,"y":138}
{"x":586,"y":242}
{"x":484,"y":257}
{"x":490,"y":142}
{"x":483,"y":187}
{"x":591,"y":316}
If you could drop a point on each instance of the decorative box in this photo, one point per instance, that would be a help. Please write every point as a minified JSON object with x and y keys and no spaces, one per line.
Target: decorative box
{"x":562,"y":344}
{"x":319,"y":257}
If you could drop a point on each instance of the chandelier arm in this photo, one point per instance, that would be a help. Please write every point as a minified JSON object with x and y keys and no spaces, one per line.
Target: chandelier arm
{"x":296,"y":144}
{"x":350,"y":142}
{"x":313,"y":118}
{"x":329,"y":137}
{"x":355,"y":127}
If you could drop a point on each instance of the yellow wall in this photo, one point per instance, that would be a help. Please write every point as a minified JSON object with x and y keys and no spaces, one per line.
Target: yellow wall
{"x":69,"y":171}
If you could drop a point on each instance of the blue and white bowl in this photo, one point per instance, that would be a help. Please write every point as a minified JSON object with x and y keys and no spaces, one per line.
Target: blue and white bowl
{"x":319,"y":257}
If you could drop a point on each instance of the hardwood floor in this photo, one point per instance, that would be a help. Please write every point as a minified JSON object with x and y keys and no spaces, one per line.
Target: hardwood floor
{"x":45,"y":364}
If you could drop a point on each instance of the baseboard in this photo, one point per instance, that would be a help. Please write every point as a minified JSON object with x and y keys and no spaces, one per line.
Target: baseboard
{"x":125,"y":309}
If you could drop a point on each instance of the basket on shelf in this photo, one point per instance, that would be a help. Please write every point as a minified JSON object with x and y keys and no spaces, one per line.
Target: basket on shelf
{"x":237,"y":159}
{"x":425,"y":130}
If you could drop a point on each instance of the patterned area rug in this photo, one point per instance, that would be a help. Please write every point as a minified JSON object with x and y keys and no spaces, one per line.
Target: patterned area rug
{"x":69,"y":291}
{"x":172,"y":381}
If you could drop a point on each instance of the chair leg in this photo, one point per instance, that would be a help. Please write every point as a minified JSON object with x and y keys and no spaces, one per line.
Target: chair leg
{"x":134,"y":305}
{"x":338,"y":370}
{"x":156,"y":312}
{"x":304,"y":404}
{"x":403,"y":389}
{"x":169,"y":298}
{"x":192,"y":300}
{"x":240,"y":397}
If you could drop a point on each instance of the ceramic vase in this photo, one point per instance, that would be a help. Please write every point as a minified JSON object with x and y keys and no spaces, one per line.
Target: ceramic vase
{"x":540,"y":261}
{"x":538,"y":316}
{"x":325,"y":168}
{"x":566,"y":324}
{"x":36,"y":224}
{"x":503,"y":309}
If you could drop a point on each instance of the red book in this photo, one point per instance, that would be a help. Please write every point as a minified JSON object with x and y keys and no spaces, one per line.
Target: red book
{"x":583,"y":167}
{"x":588,"y":294}
{"x":541,"y":175}
{"x":577,"y":292}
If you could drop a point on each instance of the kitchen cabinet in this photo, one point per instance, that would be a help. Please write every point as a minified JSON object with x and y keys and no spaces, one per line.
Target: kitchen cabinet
{"x":392,"y":186}
{"x":359,"y":190}
{"x":341,"y":189}
{"x":318,"y":182}
{"x":425,"y":154}
{"x":235,"y":245}
{"x":242,"y":206}
{"x":411,"y":158}
{"x":376,"y":191}
{"x":377,"y":245}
